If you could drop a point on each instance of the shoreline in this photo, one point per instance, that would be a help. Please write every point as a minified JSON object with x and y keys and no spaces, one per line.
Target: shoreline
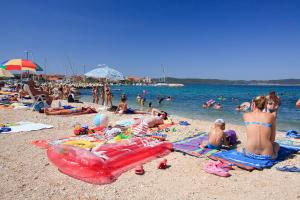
{"x":27,"y":173}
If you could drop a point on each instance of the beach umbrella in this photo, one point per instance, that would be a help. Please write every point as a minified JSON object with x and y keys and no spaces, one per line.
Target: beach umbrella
{"x":20,"y":64}
{"x":105,"y":73}
{"x":4,"y":73}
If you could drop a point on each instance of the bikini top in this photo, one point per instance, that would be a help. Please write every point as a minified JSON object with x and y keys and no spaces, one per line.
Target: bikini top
{"x":259,"y":123}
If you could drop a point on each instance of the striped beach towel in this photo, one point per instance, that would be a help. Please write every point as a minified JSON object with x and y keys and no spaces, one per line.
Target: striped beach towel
{"x":190,"y":145}
{"x":140,"y":130}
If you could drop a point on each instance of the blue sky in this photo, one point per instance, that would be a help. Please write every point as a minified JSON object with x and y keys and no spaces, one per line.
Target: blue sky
{"x":226,"y":39}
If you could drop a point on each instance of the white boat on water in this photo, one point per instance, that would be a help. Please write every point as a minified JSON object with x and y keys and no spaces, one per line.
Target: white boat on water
{"x":168,"y":85}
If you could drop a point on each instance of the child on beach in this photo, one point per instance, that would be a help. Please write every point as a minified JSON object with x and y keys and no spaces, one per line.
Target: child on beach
{"x":123,"y":108}
{"x":216,"y":136}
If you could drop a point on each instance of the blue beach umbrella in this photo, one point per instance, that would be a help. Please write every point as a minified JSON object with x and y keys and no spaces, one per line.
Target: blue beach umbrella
{"x":105,"y":73}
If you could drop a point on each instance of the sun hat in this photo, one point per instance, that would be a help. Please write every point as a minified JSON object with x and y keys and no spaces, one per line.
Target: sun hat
{"x":219,"y":121}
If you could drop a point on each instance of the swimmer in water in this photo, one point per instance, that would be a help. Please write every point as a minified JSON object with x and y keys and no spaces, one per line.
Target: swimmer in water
{"x":138,"y":98}
{"x":298,"y":103}
{"x":218,"y":106}
{"x":160,"y":99}
{"x":169,"y":98}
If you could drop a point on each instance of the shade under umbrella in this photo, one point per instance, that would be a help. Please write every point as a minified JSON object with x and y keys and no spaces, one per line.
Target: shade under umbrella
{"x":4,"y":73}
{"x":20,"y":64}
{"x":105,"y":73}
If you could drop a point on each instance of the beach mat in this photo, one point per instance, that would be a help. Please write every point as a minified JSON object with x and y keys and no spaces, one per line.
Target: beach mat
{"x":104,"y":164}
{"x":290,"y":143}
{"x":191,"y":147}
{"x":26,"y":126}
{"x":239,"y":159}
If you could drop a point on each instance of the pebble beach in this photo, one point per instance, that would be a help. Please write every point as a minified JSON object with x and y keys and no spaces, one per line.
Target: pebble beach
{"x":26,"y":172}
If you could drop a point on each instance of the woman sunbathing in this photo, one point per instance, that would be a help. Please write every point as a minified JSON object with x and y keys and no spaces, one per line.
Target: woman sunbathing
{"x":72,"y":111}
{"x":150,"y":122}
{"x":261,"y":132}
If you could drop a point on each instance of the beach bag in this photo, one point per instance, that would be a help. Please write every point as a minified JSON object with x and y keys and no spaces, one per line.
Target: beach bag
{"x":231,"y":137}
{"x":38,"y":106}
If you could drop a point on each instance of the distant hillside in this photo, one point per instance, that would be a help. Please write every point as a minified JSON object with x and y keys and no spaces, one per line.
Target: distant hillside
{"x":230,"y":82}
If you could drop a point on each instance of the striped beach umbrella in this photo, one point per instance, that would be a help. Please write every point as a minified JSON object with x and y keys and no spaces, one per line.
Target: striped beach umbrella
{"x":4,"y":73}
{"x":20,"y":64}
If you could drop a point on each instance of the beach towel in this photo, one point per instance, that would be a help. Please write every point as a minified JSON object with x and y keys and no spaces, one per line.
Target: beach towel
{"x":190,"y":145}
{"x":27,"y":126}
{"x":293,"y":134}
{"x":289,"y":143}
{"x":80,"y":141}
{"x":242,"y":161}
{"x":125,"y":123}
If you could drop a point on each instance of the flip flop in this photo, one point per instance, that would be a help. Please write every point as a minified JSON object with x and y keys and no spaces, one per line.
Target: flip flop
{"x":213,"y":169}
{"x":162,"y":164}
{"x":288,"y":168}
{"x":184,"y":123}
{"x":5,"y":129}
{"x":224,"y":165}
{"x":139,"y":170}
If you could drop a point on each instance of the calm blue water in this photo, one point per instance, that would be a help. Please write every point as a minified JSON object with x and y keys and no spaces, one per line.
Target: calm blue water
{"x":188,"y":100}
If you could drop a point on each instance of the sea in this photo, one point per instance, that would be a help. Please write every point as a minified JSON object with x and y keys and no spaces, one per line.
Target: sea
{"x":187,"y":101}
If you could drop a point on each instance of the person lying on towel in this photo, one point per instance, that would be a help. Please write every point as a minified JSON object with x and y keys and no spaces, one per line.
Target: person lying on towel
{"x":216,"y":136}
{"x":150,"y":122}
{"x":72,"y":111}
{"x":261,"y":132}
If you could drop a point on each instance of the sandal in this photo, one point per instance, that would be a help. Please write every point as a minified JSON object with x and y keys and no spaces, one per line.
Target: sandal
{"x":139,"y":170}
{"x":163,"y":164}
{"x":213,"y":169}
{"x":288,"y":168}
{"x":224,"y":165}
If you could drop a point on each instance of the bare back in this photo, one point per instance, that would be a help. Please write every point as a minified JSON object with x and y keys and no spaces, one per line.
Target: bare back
{"x":216,"y":136}
{"x":260,"y":132}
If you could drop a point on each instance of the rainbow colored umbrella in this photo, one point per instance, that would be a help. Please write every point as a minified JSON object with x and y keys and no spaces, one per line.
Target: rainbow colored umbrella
{"x":4,"y":73}
{"x":20,"y":64}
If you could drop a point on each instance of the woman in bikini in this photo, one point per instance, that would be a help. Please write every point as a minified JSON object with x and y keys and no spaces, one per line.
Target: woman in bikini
{"x":261,"y":132}
{"x":108,"y":95}
{"x":73,"y":111}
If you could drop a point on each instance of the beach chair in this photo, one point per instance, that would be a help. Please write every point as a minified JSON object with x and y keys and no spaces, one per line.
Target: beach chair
{"x":35,"y":99}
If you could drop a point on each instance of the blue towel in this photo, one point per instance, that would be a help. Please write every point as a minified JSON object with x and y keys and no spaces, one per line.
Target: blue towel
{"x":289,"y":143}
{"x":292,"y":134}
{"x":238,"y":157}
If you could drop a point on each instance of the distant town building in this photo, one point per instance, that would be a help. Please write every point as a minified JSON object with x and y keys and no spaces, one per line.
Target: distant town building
{"x":135,"y":79}
{"x":50,"y":77}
